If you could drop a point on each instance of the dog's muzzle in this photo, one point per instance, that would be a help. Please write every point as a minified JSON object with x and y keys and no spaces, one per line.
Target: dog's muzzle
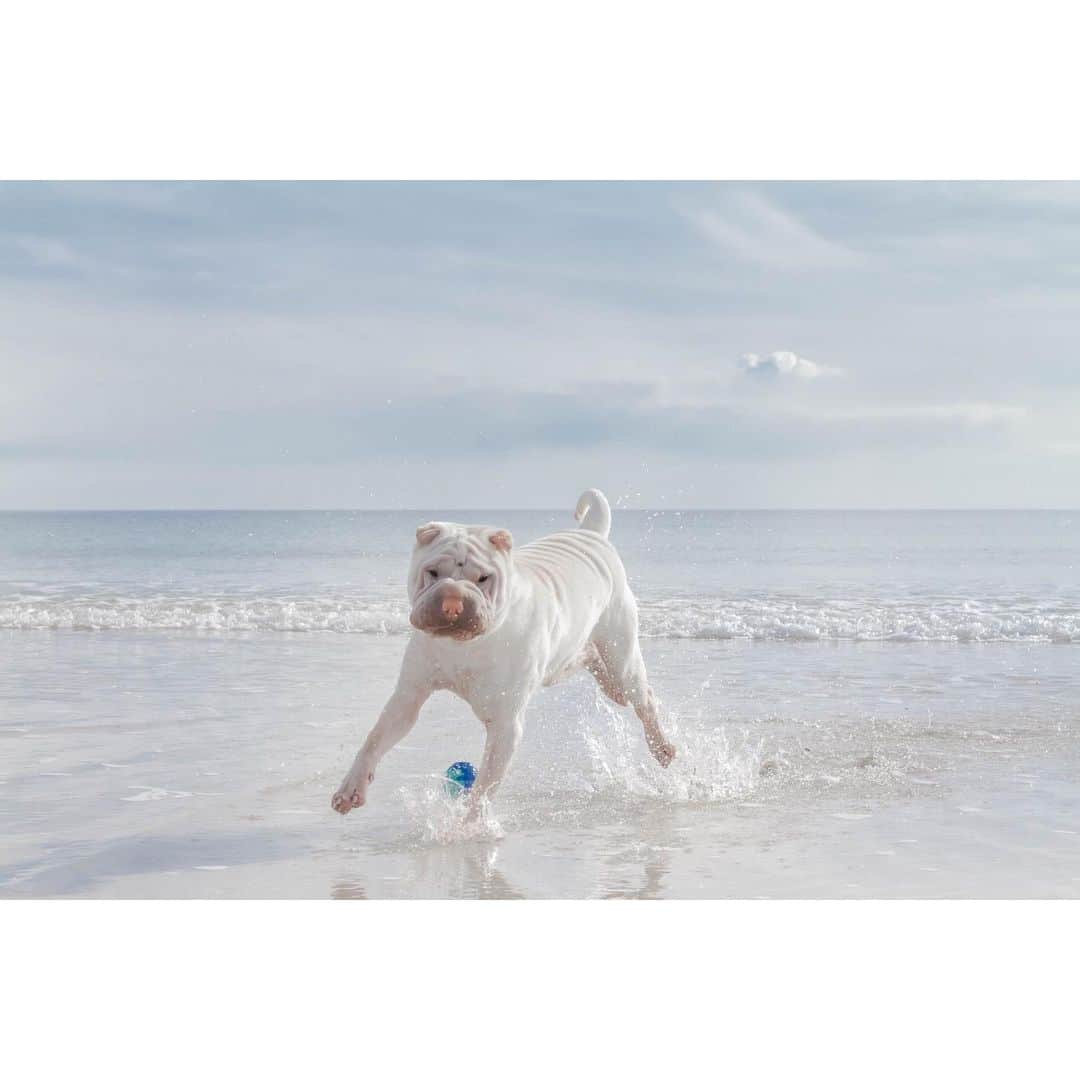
{"x":450,"y":609}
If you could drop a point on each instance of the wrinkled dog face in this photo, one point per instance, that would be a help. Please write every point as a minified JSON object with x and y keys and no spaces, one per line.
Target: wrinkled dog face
{"x":459,"y":579}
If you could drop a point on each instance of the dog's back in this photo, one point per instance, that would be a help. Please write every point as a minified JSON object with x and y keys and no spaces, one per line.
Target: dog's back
{"x":580,"y":572}
{"x":581,"y":559}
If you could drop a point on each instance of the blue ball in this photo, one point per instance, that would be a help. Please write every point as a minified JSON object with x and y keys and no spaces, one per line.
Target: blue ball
{"x":459,"y":778}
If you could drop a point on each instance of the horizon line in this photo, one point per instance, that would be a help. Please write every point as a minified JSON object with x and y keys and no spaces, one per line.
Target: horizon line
{"x":538,"y":509}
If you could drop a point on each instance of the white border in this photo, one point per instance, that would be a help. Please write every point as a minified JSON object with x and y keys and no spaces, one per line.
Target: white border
{"x":859,"y":988}
{"x":565,"y":89}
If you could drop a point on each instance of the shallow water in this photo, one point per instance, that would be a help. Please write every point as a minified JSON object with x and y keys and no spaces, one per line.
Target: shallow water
{"x":173,"y":752}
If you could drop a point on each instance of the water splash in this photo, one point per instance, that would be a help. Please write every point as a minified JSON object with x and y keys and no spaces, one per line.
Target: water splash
{"x":711,"y":765}
{"x":437,"y":817}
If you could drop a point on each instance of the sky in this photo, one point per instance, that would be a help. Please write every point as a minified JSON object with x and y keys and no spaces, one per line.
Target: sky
{"x":485,"y":345}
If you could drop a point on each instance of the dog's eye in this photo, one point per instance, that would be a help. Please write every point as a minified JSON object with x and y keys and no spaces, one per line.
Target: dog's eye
{"x":434,"y":573}
{"x":483,"y":577}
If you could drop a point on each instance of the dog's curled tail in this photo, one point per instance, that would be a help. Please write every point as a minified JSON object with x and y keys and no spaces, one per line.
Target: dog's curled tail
{"x":593,"y":512}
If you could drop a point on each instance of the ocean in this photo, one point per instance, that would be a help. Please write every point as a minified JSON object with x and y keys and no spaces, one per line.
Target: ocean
{"x":865,"y":704}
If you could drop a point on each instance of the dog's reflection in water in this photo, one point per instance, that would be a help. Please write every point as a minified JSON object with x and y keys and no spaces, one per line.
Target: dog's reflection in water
{"x":470,"y":871}
{"x":654,"y":869}
{"x":348,"y":890}
{"x":452,"y":872}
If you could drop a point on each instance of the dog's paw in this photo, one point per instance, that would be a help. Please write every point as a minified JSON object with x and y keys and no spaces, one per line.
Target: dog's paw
{"x":352,"y":794}
{"x":663,"y":751}
{"x":343,"y":802}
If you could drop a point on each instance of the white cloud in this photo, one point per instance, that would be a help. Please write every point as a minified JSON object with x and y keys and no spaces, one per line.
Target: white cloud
{"x":751,"y":227}
{"x":784,"y":363}
{"x":970,"y":414}
{"x":975,"y":413}
{"x":48,"y":252}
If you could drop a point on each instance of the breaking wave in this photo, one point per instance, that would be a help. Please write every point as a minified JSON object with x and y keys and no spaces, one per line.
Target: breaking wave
{"x":786,"y":619}
{"x":227,"y":614}
{"x":767,"y":618}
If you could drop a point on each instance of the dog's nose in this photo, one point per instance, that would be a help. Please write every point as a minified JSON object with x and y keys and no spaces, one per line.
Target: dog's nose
{"x":452,"y":607}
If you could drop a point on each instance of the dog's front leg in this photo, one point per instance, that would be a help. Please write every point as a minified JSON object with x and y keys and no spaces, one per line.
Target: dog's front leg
{"x":504,"y":731}
{"x":394,"y":723}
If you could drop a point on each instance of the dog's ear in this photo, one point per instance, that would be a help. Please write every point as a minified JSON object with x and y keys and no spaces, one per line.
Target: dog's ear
{"x":425,"y":534}
{"x":501,"y":539}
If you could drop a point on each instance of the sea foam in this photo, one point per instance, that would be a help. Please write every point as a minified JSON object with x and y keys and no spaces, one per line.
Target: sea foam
{"x":750,"y":618}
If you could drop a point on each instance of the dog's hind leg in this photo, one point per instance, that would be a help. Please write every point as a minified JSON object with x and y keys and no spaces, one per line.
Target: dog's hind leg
{"x":616,"y":638}
{"x":597,"y":667}
{"x":648,"y":710}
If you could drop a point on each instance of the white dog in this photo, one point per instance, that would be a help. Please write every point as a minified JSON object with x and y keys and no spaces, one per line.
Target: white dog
{"x":493,"y":625}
